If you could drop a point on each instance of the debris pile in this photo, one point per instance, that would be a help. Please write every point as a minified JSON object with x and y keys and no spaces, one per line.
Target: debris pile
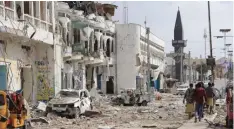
{"x":160,"y":114}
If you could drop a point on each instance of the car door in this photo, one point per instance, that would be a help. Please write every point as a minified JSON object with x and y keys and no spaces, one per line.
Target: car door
{"x":86,"y":100}
{"x":85,"y":104}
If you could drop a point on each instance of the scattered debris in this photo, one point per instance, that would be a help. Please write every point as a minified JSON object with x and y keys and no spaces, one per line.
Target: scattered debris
{"x":105,"y":114}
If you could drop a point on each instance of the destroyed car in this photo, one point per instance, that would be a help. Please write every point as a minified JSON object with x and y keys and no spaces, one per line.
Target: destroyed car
{"x":181,"y":89}
{"x":69,"y":102}
{"x":132,"y":97}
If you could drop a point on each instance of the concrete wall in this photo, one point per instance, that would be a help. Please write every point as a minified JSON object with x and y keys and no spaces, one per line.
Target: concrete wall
{"x":128,"y":36}
{"x":19,"y":58}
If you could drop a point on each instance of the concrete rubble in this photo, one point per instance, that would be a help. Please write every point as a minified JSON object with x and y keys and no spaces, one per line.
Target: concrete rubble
{"x":160,"y":114}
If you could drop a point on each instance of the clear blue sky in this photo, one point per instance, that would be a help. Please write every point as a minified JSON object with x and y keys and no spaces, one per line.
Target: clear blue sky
{"x":161,"y":16}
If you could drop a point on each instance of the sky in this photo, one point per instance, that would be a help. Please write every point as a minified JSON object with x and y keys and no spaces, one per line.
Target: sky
{"x":161,"y":16}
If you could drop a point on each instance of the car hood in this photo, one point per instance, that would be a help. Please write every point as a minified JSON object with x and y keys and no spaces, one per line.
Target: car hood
{"x":64,"y":100}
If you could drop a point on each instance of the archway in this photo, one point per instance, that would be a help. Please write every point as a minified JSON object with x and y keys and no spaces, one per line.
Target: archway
{"x":112,"y":46}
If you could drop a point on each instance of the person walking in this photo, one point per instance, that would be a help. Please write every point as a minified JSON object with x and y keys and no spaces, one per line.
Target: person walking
{"x":210,"y":98}
{"x":200,"y":98}
{"x":189,"y":100}
{"x":215,"y":97}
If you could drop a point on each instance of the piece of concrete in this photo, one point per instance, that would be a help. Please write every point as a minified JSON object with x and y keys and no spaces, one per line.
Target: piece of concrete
{"x":106,"y":127}
{"x":149,"y":126}
{"x":41,"y":106}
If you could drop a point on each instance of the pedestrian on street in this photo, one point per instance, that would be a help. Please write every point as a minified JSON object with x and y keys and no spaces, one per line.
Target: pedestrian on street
{"x":215,"y":97}
{"x":189,"y":100}
{"x":203,"y":86}
{"x":210,"y":98}
{"x":200,"y":98}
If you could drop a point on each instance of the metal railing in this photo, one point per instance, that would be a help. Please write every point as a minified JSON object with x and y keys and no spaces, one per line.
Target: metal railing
{"x":1,"y":10}
{"x":10,"y":13}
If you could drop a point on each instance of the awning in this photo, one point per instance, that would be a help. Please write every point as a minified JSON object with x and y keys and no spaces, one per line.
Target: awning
{"x":154,"y":66}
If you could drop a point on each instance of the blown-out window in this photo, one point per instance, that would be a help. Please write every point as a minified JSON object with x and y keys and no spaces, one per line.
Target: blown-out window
{"x":76,"y":35}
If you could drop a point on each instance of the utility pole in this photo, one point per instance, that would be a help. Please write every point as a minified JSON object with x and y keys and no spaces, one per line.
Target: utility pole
{"x":148,"y":59}
{"x":201,"y":69}
{"x":224,"y":31}
{"x":189,"y":63}
{"x":125,"y":12}
{"x":205,"y":36}
{"x":211,"y":48}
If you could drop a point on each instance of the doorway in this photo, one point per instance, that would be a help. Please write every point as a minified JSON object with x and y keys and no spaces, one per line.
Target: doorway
{"x":3,"y":77}
{"x":110,"y":85}
{"x":26,"y":83}
{"x":99,"y":81}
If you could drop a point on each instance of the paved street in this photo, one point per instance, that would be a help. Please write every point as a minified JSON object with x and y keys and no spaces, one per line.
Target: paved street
{"x":199,"y":125}
{"x":219,"y":83}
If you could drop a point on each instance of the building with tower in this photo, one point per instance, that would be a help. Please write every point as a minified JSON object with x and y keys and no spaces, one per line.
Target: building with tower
{"x":179,"y":44}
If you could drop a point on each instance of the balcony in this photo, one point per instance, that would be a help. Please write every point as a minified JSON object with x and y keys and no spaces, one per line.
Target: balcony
{"x":11,"y":14}
{"x":180,"y":43}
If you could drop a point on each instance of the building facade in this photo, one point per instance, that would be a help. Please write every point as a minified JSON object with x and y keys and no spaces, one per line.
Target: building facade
{"x":90,"y":38}
{"x":30,"y":51}
{"x":132,"y":57}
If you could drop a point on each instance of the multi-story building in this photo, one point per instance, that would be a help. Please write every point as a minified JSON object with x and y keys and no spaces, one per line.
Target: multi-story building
{"x":132,"y":57}
{"x":91,"y":35}
{"x":30,"y":56}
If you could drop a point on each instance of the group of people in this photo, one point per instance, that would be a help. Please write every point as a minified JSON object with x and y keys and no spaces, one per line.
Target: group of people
{"x":199,"y":97}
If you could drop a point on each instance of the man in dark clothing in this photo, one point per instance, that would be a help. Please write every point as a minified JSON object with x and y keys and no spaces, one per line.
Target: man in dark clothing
{"x":210,"y":98}
{"x":189,"y":100}
{"x":200,"y":98}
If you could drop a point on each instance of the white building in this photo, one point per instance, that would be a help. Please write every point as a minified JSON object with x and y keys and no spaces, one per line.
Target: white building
{"x":30,"y":54}
{"x":132,"y":56}
{"x":92,"y":39}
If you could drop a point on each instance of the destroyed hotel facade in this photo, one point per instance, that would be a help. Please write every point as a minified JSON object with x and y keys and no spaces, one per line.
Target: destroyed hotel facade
{"x":48,"y":46}
{"x":89,"y":35}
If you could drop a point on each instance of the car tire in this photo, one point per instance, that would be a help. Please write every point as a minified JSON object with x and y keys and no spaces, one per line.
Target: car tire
{"x":120,"y":101}
{"x":76,"y":112}
{"x":48,"y":110}
{"x":144,"y":103}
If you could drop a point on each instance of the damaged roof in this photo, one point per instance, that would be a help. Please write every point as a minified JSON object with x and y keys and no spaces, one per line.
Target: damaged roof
{"x":93,"y":7}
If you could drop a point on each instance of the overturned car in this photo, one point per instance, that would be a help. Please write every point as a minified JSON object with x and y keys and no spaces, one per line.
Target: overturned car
{"x":70,"y":103}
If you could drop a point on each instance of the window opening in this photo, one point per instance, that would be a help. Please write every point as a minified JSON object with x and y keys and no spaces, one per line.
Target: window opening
{"x":96,"y":45}
{"x":112,"y":46}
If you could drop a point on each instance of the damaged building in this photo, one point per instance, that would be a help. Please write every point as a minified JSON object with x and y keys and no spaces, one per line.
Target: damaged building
{"x":30,"y":51}
{"x":89,"y":34}
{"x":132,"y":58}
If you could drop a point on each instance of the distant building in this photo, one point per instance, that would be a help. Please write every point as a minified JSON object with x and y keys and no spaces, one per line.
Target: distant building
{"x":132,"y":57}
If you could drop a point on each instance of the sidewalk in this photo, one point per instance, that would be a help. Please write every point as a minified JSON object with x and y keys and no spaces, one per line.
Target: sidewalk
{"x":199,"y":125}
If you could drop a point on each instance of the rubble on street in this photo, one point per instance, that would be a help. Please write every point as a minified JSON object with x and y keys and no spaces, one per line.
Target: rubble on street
{"x":167,"y":113}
